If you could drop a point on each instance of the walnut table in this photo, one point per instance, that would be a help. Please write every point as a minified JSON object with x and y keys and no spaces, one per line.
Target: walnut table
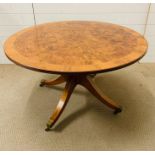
{"x":75,"y":50}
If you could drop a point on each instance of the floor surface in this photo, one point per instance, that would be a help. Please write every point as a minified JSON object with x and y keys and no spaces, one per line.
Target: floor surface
{"x":86,"y":123}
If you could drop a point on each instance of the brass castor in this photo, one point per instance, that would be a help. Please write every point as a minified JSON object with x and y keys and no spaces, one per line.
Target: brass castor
{"x":118,"y":110}
{"x":92,"y":75}
{"x":49,"y":125}
{"x":47,"y":129}
{"x":42,"y":83}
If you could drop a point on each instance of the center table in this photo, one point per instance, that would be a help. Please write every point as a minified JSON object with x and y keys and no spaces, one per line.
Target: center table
{"x":75,"y":50}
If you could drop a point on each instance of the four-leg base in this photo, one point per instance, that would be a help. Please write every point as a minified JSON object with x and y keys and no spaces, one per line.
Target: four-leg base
{"x":71,"y":82}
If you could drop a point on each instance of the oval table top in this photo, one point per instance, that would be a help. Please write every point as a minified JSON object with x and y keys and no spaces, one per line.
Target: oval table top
{"x":75,"y":47}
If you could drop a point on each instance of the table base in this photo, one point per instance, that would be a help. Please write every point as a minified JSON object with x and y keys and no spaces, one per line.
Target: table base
{"x":71,"y":82}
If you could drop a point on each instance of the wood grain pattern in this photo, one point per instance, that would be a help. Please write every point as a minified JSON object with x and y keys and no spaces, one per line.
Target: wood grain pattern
{"x":75,"y":47}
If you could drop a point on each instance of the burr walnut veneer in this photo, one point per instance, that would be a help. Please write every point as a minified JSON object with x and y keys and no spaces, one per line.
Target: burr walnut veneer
{"x":75,"y":50}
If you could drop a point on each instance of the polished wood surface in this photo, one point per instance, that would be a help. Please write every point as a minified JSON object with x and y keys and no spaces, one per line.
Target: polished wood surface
{"x":75,"y":47}
{"x":71,"y":82}
{"x":52,"y":82}
{"x":89,"y":84}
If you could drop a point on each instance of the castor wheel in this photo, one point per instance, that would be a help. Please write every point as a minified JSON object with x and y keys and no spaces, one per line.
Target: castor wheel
{"x":42,"y":83}
{"x":92,"y":75}
{"x":49,"y":125}
{"x":47,"y":129}
{"x":118,"y":110}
